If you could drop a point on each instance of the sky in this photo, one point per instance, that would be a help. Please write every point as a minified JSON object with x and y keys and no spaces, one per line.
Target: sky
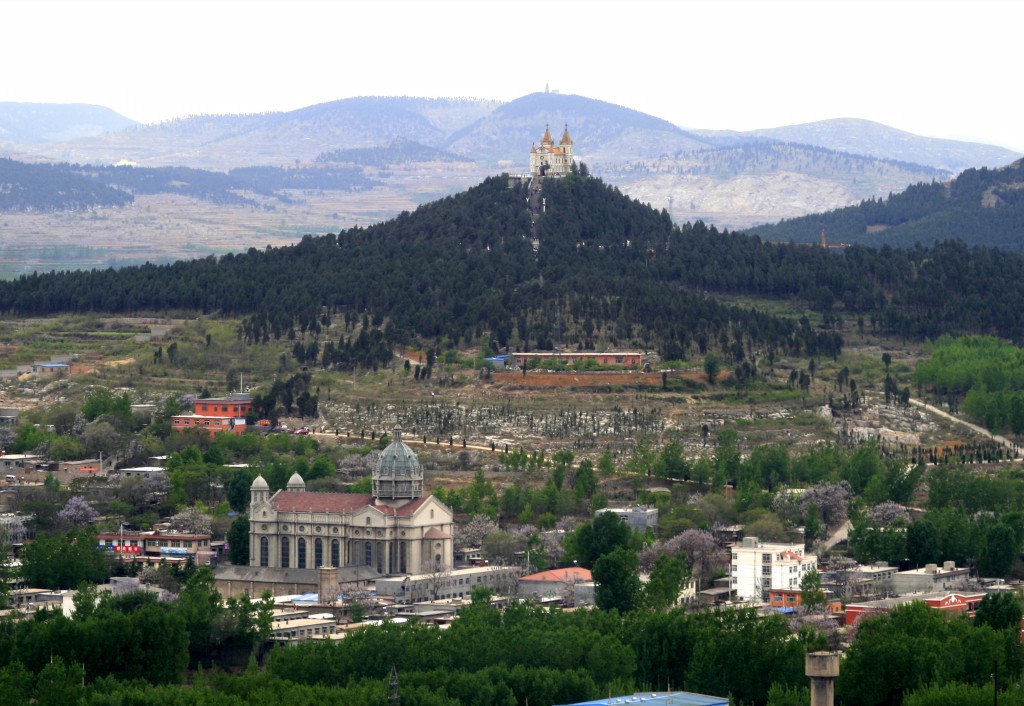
{"x":937,"y":68}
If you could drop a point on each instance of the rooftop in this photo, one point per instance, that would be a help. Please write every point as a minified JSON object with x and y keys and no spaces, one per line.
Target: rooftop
{"x":570,"y":573}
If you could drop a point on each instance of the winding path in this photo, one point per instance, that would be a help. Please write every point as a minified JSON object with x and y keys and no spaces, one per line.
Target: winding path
{"x":973,"y":427}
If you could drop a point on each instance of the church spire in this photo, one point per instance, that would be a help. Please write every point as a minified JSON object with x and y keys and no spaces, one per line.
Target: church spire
{"x":546,"y":140}
{"x":566,"y":140}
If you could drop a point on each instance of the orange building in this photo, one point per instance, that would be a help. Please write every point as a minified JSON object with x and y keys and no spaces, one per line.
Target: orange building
{"x":216,"y":414}
{"x":791,"y":598}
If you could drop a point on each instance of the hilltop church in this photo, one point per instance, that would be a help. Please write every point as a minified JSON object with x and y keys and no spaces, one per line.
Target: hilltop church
{"x":395,"y":530}
{"x":551,"y":160}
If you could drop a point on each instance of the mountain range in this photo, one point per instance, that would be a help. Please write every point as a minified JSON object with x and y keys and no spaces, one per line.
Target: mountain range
{"x":413,"y":150}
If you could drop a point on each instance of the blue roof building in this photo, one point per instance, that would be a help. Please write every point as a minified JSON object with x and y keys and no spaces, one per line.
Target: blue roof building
{"x":658,"y":698}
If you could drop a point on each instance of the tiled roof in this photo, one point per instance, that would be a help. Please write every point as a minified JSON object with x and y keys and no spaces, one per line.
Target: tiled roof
{"x":337,"y":503}
{"x":435,"y":533}
{"x":296,"y":501}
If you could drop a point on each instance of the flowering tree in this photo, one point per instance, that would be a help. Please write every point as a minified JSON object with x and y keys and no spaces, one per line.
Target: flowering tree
{"x":702,"y":551}
{"x":832,"y":501}
{"x":473,"y":532}
{"x":888,"y":513}
{"x":77,"y":513}
{"x":192,"y":521}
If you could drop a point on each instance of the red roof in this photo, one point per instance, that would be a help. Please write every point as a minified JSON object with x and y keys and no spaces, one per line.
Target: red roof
{"x":337,"y":503}
{"x":435,"y":533}
{"x":574,"y":574}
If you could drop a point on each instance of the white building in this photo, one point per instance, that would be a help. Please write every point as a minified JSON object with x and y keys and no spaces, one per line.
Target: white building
{"x":444,"y":585}
{"x":758,"y":567}
{"x":640,"y":518}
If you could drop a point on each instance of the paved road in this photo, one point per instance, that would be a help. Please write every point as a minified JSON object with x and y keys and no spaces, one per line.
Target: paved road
{"x":973,"y":427}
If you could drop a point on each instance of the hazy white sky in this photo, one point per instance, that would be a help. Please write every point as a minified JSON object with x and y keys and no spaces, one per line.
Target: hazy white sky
{"x":941,"y":68}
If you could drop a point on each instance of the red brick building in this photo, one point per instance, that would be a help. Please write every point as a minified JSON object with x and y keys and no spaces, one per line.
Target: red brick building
{"x":952,"y":603}
{"x":538,"y":360}
{"x":216,"y":414}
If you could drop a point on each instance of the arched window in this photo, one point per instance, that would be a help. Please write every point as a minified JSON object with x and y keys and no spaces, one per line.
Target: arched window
{"x":318,"y":553}
{"x":335,"y":553}
{"x":264,"y":552}
{"x":300,"y":562}
{"x":286,"y":552}
{"x":368,"y":550}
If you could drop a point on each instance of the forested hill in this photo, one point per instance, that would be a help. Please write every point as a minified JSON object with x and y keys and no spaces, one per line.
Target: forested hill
{"x":73,"y":187}
{"x":605,"y":268}
{"x":981,"y":206}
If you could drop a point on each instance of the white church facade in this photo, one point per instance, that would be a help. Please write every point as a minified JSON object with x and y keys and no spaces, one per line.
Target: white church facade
{"x":394,"y":530}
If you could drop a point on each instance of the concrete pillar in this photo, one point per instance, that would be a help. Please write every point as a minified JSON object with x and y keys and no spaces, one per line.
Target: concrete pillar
{"x":327,"y":584}
{"x":822,"y":668}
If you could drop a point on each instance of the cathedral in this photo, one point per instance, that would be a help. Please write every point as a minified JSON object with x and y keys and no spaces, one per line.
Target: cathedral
{"x":394,"y":530}
{"x":549,"y":160}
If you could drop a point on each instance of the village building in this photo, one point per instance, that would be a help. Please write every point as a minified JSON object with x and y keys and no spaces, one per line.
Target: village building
{"x":640,"y":518}
{"x":954,"y":603}
{"x":534,"y":360}
{"x":550,"y":159}
{"x":394,"y":530}
{"x":216,"y":414}
{"x":931,"y":577}
{"x":760,"y":567}
{"x":153,"y":547}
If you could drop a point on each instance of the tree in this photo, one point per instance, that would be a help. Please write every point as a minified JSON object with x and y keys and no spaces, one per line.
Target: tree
{"x":101,"y":438}
{"x":77,"y":512}
{"x":812,"y":597}
{"x":616,"y":582}
{"x":703,"y":553}
{"x":192,"y":521}
{"x":64,"y":560}
{"x":592,"y":540}
{"x":662,"y":588}
{"x":1000,"y":611}
{"x":238,"y":541}
{"x":712,"y":366}
{"x":473,"y":532}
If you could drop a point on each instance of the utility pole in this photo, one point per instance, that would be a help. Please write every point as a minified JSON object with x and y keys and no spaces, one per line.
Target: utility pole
{"x":394,"y":692}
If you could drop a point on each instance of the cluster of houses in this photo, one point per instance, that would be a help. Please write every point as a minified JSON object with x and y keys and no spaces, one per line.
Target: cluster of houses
{"x":770,"y":573}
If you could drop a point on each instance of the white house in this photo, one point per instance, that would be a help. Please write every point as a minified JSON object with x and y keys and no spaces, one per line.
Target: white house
{"x":758,"y":567}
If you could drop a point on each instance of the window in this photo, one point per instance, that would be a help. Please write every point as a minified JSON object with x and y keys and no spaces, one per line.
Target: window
{"x":301,"y":561}
{"x":766,"y":583}
{"x":368,"y":549}
{"x":335,"y":553}
{"x":285,"y":552}
{"x":318,"y":554}
{"x":766,"y":571}
{"x":264,"y":552}
{"x":766,"y":558}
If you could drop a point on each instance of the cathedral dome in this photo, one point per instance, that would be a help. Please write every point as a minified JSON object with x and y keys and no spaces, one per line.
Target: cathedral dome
{"x":295,"y":483}
{"x":397,"y":473}
{"x":259,"y":484}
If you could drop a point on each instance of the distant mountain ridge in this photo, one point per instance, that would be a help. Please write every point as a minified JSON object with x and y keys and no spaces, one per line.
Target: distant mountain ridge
{"x":876,"y":140}
{"x":39,"y":123}
{"x":733,"y":180}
